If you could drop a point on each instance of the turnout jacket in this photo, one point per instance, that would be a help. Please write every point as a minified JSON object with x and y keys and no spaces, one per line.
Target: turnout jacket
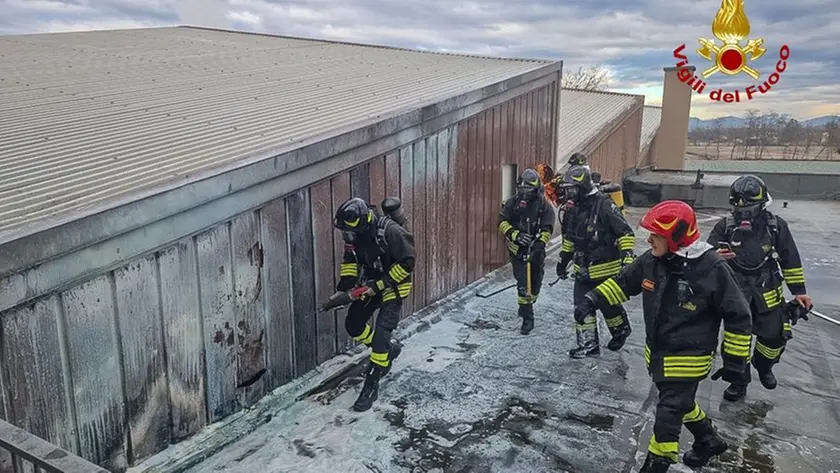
{"x":684,"y":299}
{"x":596,"y":237}
{"x":386,"y":257}
{"x":765,"y":256}
{"x":536,"y":219}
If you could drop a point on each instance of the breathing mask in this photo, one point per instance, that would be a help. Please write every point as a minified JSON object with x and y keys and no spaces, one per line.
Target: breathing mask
{"x":746,"y":215}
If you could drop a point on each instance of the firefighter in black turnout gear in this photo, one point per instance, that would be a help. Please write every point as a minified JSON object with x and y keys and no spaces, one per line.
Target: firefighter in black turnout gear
{"x":527,"y":222}
{"x":760,"y":249}
{"x":687,"y":290}
{"x":376,"y":268}
{"x":597,"y":238}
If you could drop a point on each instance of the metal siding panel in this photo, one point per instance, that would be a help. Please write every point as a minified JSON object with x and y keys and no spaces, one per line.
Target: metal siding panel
{"x":442,"y":216}
{"x":279,"y":321}
{"x":486,"y":238}
{"x":95,"y":366}
{"x":474,"y":210}
{"x":542,"y":125}
{"x":216,"y":289}
{"x":33,"y":381}
{"x":340,"y":191}
{"x":299,"y":216}
{"x":141,"y":333}
{"x":421,"y":228}
{"x":249,"y":307}
{"x":453,"y":229}
{"x":392,"y":174}
{"x":496,"y":254}
{"x":183,"y":338}
{"x":360,"y":181}
{"x":322,"y":229}
{"x":432,"y":220}
{"x":407,"y":197}
{"x":377,"y":180}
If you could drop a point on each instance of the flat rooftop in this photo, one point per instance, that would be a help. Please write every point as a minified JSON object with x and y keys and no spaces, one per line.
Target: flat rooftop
{"x":786,"y":166}
{"x":469,"y":393}
{"x":92,"y":119}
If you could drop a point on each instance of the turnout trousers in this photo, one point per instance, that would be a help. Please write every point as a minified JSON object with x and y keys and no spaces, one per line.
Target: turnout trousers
{"x":378,"y":338}
{"x":615,"y":316}
{"x":677,"y":407}
{"x":771,"y":328}
{"x":520,"y":273}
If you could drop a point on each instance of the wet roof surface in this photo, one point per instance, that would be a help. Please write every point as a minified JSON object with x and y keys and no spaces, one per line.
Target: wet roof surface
{"x":472,"y":395}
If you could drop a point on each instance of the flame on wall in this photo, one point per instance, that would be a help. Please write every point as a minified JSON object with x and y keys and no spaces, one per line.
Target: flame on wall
{"x":731,"y":24}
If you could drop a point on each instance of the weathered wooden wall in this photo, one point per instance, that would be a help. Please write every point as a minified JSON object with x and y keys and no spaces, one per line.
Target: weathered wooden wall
{"x":130,"y":361}
{"x":619,"y":149}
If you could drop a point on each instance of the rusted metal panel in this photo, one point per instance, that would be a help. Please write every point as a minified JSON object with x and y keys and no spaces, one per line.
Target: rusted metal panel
{"x":421,"y":226}
{"x":454,"y":222}
{"x":340,"y":191}
{"x":32,"y":376}
{"x":377,"y":180}
{"x":432,"y":227}
{"x":486,"y":149}
{"x":407,"y":197}
{"x":217,"y":310}
{"x":45,"y":455}
{"x":299,"y":213}
{"x":475,"y":209}
{"x":360,"y":181}
{"x":141,"y":335}
{"x":463,"y":234}
{"x":249,"y":307}
{"x":392,"y":174}
{"x":279,"y":322}
{"x":325,"y":272}
{"x":183,"y":338}
{"x":95,"y":367}
{"x":496,"y":189}
{"x":442,"y":217}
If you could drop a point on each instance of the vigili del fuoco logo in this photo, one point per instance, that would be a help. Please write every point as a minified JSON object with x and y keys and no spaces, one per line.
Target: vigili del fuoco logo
{"x":731,"y":27}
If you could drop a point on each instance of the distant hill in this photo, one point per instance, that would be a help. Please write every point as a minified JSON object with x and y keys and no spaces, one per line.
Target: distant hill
{"x":737,"y":122}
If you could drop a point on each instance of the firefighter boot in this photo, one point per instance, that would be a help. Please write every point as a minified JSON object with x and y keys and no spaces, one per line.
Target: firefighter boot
{"x":707,"y":444}
{"x":587,"y":342}
{"x":370,"y":390}
{"x":655,"y":464}
{"x":393,"y":353}
{"x":526,"y":311}
{"x":737,"y":391}
{"x":764,"y":367}
{"x":619,"y":338}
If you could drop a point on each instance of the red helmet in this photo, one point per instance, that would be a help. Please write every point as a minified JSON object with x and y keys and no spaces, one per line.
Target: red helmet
{"x":675,"y":220}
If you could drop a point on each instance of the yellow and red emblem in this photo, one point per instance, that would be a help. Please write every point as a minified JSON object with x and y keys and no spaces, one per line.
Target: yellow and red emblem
{"x":731,"y":26}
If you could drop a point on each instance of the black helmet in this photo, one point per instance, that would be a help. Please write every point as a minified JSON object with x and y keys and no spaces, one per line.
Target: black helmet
{"x":748,"y":190}
{"x":578,"y":159}
{"x":354,"y":215}
{"x":529,"y":185}
{"x":580,"y":177}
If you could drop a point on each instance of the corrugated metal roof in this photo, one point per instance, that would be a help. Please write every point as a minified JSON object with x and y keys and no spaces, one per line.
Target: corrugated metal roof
{"x":584,"y":113}
{"x":764,"y":166}
{"x":86,"y":117}
{"x":651,"y":117}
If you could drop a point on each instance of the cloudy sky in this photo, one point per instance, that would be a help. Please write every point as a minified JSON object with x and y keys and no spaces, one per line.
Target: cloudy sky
{"x":633,"y":38}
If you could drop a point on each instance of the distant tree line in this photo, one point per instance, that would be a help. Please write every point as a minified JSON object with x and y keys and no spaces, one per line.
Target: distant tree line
{"x":766,"y":136}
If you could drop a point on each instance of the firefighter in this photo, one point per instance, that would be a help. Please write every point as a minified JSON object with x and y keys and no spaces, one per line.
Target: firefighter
{"x":527,"y":222}
{"x":597,"y":238}
{"x":760,"y":249}
{"x":688,"y":289}
{"x":376,"y":268}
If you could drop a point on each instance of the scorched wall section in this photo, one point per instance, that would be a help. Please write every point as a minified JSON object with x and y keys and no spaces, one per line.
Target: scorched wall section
{"x":120,"y":366}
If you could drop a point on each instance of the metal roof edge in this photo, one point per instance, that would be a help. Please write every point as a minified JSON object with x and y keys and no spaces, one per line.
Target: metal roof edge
{"x":606,"y":130}
{"x":15,"y":240}
{"x":369,"y":45}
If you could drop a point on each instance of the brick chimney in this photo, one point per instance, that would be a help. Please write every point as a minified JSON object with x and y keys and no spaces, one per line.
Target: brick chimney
{"x":669,"y":145}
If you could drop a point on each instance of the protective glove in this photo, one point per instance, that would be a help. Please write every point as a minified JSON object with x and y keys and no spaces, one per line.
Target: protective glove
{"x":728,"y":374}
{"x":584,"y":309}
{"x":627,"y":257}
{"x":796,"y":312}
{"x":524,"y":239}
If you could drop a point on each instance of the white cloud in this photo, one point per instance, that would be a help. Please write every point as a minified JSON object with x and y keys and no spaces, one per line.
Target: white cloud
{"x":634,"y":38}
